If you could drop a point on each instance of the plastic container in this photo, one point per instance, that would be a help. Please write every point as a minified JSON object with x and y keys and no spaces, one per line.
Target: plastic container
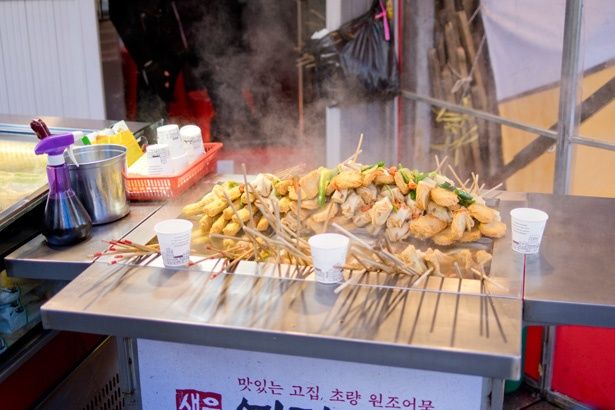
{"x":99,"y":181}
{"x":329,"y":252}
{"x":155,"y":188}
{"x":174,"y":239}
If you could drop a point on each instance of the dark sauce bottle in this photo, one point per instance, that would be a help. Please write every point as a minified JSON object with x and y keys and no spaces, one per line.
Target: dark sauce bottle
{"x":66,"y":221}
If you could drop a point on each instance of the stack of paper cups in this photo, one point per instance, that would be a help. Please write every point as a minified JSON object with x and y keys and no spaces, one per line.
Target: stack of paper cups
{"x":193,"y":141}
{"x":169,"y":134}
{"x":158,"y":159}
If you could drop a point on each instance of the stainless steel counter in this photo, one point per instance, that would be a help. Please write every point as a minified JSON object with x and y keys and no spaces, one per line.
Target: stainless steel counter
{"x":36,"y":260}
{"x":432,"y":328}
{"x":444,"y":326}
{"x":572,"y":280}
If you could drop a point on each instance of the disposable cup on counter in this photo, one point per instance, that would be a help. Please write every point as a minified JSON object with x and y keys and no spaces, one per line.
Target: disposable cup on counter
{"x":174,"y":238}
{"x":528,"y":225}
{"x":158,"y":159}
{"x":169,"y":134}
{"x":329,"y":252}
{"x":193,"y":141}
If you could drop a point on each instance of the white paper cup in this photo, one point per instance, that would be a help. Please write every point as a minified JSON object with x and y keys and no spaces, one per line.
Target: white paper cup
{"x":169,"y":134}
{"x":174,"y":238}
{"x":528,"y":225}
{"x":193,"y":141}
{"x":158,"y":159}
{"x":329,"y":255}
{"x":179,"y":164}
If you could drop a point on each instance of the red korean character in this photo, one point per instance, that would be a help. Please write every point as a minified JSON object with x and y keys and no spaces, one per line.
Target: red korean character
{"x":393,"y":403}
{"x":337,"y":395}
{"x":426,"y":405}
{"x":312,"y":391}
{"x":376,"y":400}
{"x":244,"y":383}
{"x":353,"y":397}
{"x":410,"y":403}
{"x":297,"y":391}
{"x":261,"y":386}
{"x":275,"y":389}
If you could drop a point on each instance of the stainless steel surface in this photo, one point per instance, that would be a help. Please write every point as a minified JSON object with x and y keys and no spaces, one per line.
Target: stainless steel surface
{"x":389,"y":326}
{"x":21,"y":123}
{"x":569,"y":96}
{"x":128,"y":367}
{"x":98,"y":181}
{"x":36,"y":260}
{"x":394,"y":326}
{"x":571,"y":280}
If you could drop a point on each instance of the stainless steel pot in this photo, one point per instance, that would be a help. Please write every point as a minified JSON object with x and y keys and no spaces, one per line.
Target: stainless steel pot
{"x":99,"y":181}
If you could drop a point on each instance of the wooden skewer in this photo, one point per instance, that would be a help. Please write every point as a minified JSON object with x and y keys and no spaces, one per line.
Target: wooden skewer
{"x":358,"y":150}
{"x":421,"y":278}
{"x":247,"y":191}
{"x":131,"y":245}
{"x":352,"y":281}
{"x":298,"y":190}
{"x":457,"y":177}
{"x":400,"y":264}
{"x":458,"y":270}
{"x":492,"y":189}
{"x":488,"y":279}
{"x":325,"y":225}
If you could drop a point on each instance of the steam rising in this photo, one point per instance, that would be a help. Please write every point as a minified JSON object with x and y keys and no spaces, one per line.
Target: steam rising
{"x":260,"y":63}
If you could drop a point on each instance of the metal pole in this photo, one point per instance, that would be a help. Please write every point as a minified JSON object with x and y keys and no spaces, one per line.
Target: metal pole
{"x":569,"y":95}
{"x":479,"y":114}
{"x":300,"y":68}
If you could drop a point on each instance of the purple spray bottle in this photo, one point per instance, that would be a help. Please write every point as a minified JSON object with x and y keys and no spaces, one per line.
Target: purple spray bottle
{"x":66,"y":220}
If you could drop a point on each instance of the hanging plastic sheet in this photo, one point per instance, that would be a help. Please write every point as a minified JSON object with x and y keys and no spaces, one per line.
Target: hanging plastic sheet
{"x":357,"y":62}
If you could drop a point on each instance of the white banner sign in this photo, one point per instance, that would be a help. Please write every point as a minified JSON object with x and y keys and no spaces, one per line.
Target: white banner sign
{"x":188,"y":377}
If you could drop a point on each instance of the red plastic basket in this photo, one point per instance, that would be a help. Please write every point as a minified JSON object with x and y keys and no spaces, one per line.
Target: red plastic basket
{"x":154,"y":188}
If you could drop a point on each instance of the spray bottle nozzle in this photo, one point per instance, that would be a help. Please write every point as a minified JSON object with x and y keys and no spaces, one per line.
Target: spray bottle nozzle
{"x":55,"y":145}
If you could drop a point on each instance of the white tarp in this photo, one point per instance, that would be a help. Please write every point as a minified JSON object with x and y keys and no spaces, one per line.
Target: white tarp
{"x":525,"y":40}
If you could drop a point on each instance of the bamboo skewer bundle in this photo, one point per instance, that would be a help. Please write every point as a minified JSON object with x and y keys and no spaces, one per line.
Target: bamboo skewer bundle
{"x":457,"y":70}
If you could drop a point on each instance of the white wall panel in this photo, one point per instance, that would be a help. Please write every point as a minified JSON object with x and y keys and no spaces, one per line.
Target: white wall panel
{"x":41,"y":32}
{"x":4,"y":98}
{"x":16,"y":57}
{"x":50,"y":58}
{"x":70,"y":56}
{"x":90,"y":44}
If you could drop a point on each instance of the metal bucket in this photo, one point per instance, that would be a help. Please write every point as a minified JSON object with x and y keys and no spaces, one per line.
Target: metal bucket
{"x":99,"y":181}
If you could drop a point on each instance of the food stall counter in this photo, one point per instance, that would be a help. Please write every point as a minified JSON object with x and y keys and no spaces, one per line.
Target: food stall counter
{"x":571,"y":280}
{"x":294,"y":333}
